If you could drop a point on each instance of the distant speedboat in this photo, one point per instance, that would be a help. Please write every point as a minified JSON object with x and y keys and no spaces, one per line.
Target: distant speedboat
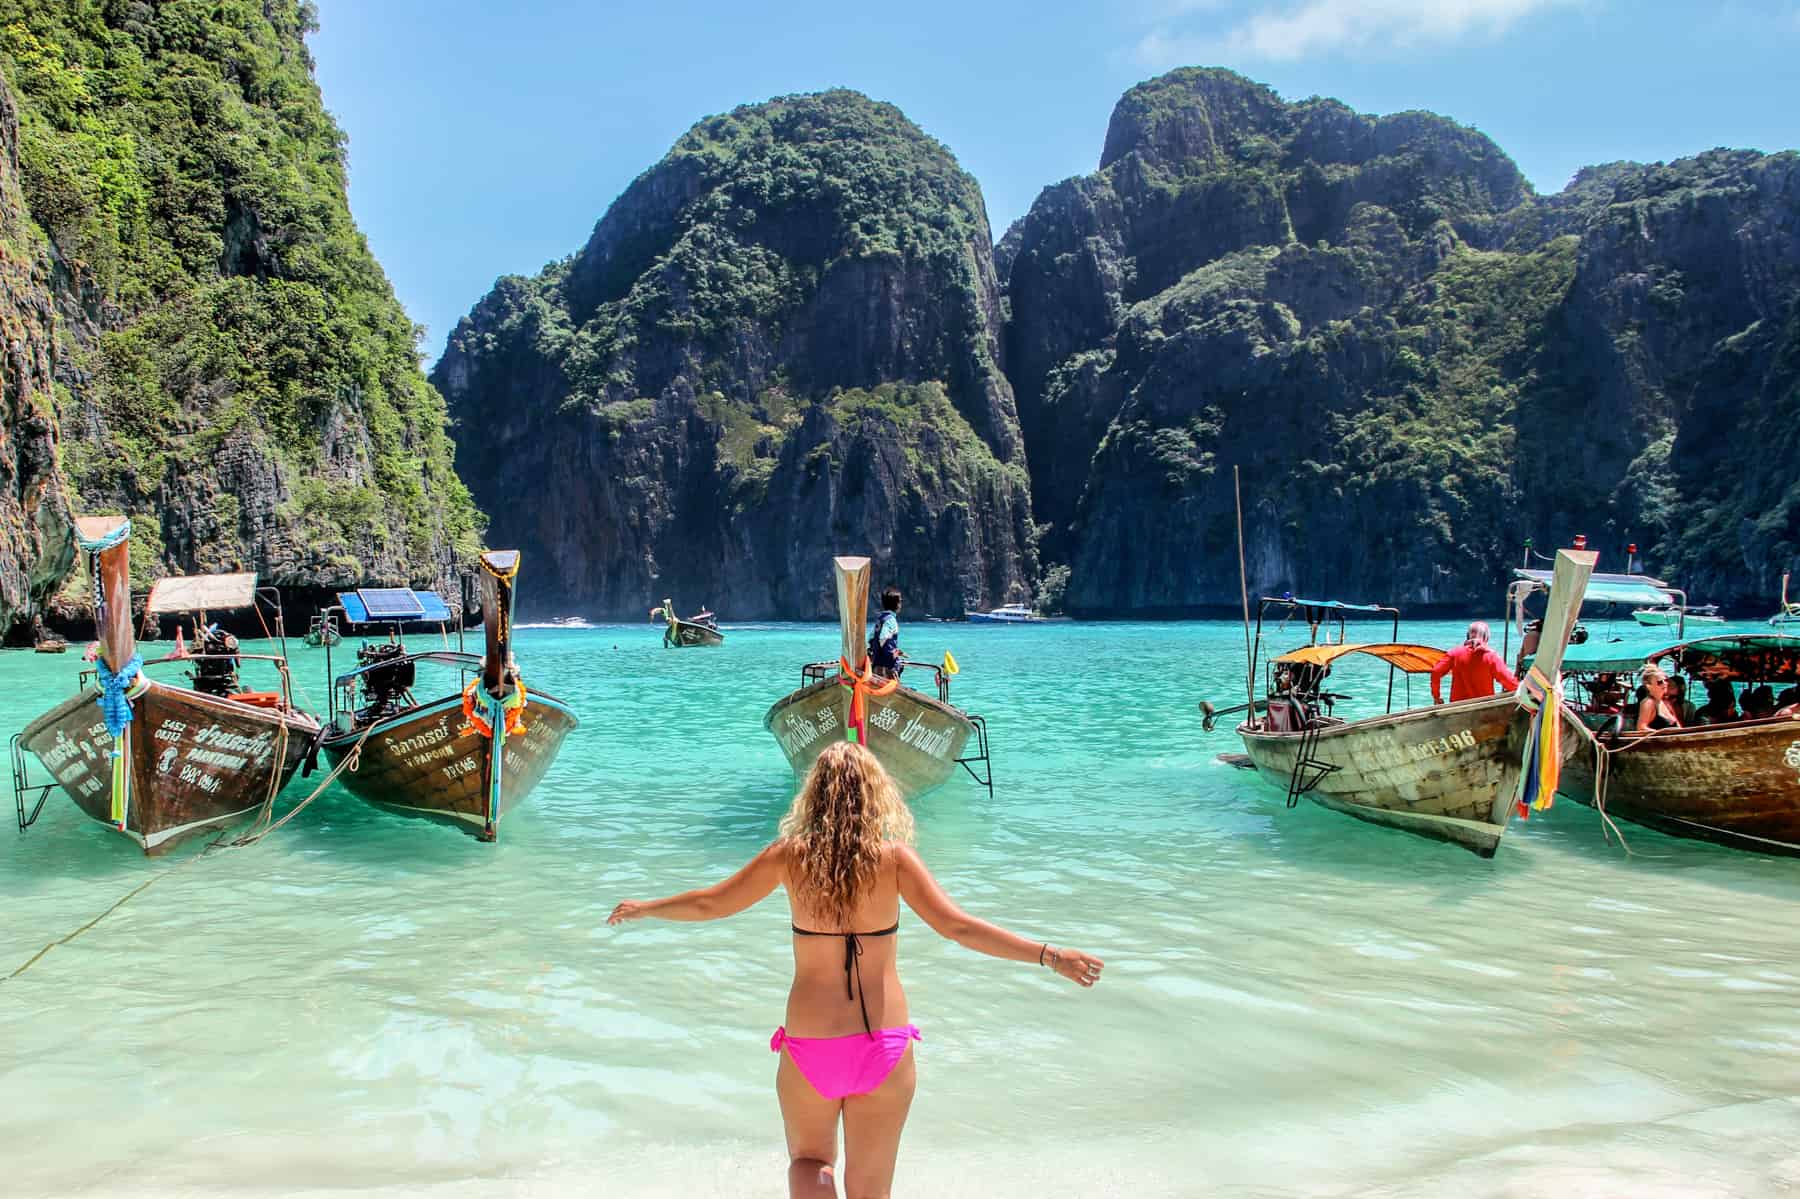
{"x":1669,"y":616}
{"x":1005,"y":614}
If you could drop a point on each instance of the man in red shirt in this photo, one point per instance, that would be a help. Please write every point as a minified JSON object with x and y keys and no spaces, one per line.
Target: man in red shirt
{"x":1473,"y":669}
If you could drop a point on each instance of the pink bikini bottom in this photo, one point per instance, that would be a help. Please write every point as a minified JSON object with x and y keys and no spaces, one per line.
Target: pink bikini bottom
{"x":852,"y":1065}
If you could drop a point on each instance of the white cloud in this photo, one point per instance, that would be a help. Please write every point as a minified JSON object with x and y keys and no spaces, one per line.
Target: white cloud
{"x":1316,"y":27}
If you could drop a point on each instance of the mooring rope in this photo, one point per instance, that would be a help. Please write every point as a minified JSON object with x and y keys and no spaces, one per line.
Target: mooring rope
{"x":351,"y":760}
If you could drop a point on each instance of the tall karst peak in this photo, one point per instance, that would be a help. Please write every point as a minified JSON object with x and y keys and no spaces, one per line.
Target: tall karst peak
{"x":1402,"y":345}
{"x":781,"y":341}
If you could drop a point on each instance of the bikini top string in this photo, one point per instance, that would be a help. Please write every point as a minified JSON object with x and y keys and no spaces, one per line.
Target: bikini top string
{"x":852,"y":951}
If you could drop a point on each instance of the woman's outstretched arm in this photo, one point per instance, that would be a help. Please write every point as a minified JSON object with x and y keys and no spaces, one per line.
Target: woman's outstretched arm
{"x":761,"y":875}
{"x":924,"y":896}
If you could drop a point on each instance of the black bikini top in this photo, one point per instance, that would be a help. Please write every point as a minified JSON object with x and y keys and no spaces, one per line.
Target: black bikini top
{"x":852,"y":951}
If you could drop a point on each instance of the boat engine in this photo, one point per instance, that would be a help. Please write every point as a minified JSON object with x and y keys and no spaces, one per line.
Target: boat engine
{"x":387,"y":679}
{"x":216,"y":673}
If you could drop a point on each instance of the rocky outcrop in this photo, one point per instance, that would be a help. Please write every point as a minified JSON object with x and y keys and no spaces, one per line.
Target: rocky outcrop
{"x":1416,"y":362}
{"x":197,"y":335}
{"x":36,"y":548}
{"x":780,"y":343}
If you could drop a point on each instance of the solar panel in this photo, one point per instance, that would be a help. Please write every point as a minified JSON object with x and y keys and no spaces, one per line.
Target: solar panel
{"x":390,"y":603}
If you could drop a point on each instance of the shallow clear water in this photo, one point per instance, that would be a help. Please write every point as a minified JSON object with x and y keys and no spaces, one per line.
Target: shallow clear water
{"x":1294,"y":1002}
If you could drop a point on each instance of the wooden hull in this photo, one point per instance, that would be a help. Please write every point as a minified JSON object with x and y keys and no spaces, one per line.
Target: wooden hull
{"x":916,"y":738}
{"x":688,"y":636}
{"x":195,"y":762}
{"x":1446,"y":772}
{"x":1735,"y":784}
{"x":423,"y":763}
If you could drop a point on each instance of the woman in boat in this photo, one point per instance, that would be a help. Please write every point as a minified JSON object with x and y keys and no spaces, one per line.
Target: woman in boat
{"x":1655,"y":712}
{"x":845,"y":860}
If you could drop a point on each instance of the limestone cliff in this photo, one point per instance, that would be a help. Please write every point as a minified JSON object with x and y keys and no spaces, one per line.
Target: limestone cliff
{"x":780,"y":343}
{"x":1417,"y":362}
{"x":197,"y":333}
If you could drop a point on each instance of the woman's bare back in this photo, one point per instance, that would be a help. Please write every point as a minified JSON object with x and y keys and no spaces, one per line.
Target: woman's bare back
{"x":821,"y":1003}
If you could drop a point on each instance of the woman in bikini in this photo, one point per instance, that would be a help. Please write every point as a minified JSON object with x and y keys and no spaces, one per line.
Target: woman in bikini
{"x":845,"y":859}
{"x":1655,"y":712}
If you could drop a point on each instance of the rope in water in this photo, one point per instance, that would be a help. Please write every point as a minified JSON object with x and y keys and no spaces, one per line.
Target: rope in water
{"x":351,"y":760}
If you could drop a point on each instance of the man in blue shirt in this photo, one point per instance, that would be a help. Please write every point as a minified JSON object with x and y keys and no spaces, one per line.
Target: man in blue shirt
{"x":884,"y":645}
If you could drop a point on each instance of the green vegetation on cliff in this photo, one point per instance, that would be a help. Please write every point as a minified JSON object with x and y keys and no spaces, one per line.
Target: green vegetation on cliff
{"x":228,"y":336}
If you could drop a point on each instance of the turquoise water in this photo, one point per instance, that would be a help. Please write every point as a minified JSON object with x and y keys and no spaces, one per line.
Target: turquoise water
{"x":1295,"y":1003}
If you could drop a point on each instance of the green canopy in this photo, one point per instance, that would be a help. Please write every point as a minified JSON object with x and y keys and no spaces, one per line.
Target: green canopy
{"x":1599,"y":655}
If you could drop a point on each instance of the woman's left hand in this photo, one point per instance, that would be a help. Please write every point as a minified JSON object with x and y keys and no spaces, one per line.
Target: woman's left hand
{"x":628,"y":909}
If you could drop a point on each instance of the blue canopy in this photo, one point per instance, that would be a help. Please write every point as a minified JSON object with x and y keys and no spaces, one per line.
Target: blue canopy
{"x":1337,"y":605}
{"x":393,"y":605}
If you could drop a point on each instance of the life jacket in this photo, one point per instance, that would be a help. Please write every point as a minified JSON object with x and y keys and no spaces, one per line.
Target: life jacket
{"x":884,"y":645}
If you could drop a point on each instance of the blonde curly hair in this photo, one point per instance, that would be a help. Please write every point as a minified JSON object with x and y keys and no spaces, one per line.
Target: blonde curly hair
{"x":845,"y":811}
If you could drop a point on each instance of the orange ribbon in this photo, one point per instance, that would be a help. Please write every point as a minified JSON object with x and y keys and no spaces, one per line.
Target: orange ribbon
{"x":863,"y":687}
{"x":514,"y":709}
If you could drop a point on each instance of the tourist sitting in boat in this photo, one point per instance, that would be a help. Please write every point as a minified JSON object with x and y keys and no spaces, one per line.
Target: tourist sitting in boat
{"x":845,"y":861}
{"x":1655,"y":711}
{"x":1684,"y":707}
{"x":885,"y":658}
{"x":1473,"y":667}
{"x":1759,"y":702}
{"x":1721,"y":704}
{"x":1788,"y":702}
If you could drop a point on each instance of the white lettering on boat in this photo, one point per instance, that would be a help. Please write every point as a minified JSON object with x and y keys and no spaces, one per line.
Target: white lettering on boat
{"x":170,"y":730}
{"x":1792,"y":757}
{"x":425,"y":740}
{"x":926,"y":739}
{"x":432,"y":755}
{"x":194,"y":776}
{"x":216,"y":738}
{"x":61,"y":752}
{"x":1403,"y":755}
{"x":166,"y":759}
{"x":885,"y":719}
{"x":213,"y":757}
{"x":459,"y":768}
{"x":802,"y":730}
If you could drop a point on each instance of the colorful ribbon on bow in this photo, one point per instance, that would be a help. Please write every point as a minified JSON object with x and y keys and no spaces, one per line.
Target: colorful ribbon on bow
{"x":1541,"y":765}
{"x":863,"y":687}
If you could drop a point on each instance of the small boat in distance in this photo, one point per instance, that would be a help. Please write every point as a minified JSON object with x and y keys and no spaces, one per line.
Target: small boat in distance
{"x":701,"y":629}
{"x":322,"y":631}
{"x":158,"y":761}
{"x":461,"y":757}
{"x":1787,"y":613}
{"x":920,"y":739}
{"x":1669,"y":616}
{"x":1005,"y":614}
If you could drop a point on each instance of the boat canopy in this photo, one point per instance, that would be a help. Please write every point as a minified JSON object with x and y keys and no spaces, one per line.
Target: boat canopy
{"x":203,"y":593}
{"x":1636,"y":590}
{"x":1413,"y":659}
{"x":1334,"y":605}
{"x":1596,"y":656}
{"x":1738,"y":658}
{"x":393,"y":605}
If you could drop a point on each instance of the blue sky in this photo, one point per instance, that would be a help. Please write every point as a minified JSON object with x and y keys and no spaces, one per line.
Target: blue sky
{"x":487,"y":138}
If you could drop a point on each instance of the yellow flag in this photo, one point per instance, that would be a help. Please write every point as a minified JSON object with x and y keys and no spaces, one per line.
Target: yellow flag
{"x":950,"y":666}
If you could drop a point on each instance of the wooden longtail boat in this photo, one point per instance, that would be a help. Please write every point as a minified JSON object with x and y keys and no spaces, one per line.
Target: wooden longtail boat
{"x":920,"y":739}
{"x":322,"y":630}
{"x":462,"y":757}
{"x":1735,"y":784}
{"x":686,"y":634}
{"x":1448,"y":771}
{"x":161,"y":762}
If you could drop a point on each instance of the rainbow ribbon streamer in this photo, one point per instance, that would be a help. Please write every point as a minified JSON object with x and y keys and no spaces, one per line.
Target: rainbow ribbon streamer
{"x":1541,"y":766}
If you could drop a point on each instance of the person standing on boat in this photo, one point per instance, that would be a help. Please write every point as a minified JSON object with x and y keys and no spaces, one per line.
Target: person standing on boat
{"x":885,"y":658}
{"x":1473,"y":668}
{"x":845,"y":859}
